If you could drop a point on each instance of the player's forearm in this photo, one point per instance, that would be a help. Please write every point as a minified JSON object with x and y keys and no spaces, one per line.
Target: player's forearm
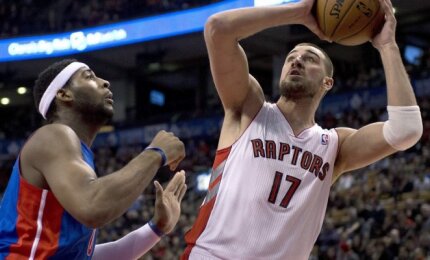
{"x":244,"y":22}
{"x":399,"y":88}
{"x":404,"y":126}
{"x":132,"y":246}
{"x":113,"y":194}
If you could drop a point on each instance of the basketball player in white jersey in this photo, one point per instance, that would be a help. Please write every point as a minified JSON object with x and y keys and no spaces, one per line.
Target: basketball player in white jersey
{"x":274,"y":165}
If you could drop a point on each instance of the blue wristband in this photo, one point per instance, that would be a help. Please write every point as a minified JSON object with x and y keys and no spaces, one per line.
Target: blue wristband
{"x":161,"y":152}
{"x":155,"y":228}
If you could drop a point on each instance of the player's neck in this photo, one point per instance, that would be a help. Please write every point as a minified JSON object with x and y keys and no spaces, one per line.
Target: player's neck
{"x":300,"y":113}
{"x":86,"y":132}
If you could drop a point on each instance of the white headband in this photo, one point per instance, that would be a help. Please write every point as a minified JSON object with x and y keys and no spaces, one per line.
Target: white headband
{"x":57,"y":83}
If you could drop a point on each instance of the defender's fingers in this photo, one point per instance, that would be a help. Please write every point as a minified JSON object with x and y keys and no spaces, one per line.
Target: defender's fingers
{"x":158,"y":189}
{"x":177,"y":180}
{"x":182,"y":193}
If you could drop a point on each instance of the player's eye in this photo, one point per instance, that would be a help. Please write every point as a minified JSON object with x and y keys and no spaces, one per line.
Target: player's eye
{"x":90,"y":76}
{"x":309,"y":58}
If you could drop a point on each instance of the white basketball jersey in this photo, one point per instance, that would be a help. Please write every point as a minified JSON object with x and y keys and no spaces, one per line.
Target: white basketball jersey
{"x":268,"y":193}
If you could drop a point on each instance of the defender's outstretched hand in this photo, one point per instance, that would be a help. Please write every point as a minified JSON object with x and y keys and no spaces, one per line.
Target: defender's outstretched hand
{"x":168,"y":202}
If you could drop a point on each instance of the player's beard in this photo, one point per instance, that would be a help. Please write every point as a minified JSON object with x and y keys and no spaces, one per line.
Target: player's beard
{"x":92,"y":112}
{"x":296,"y":89}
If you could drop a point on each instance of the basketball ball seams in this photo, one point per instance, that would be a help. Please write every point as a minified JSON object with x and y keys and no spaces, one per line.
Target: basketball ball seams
{"x":325,"y":10}
{"x":341,"y":19}
{"x":364,"y":27}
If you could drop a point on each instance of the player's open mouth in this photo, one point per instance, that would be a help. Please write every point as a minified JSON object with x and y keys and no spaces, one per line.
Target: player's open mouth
{"x":294,"y":72}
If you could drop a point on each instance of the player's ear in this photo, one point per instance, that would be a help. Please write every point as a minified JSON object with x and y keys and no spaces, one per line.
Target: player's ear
{"x":328,"y":83}
{"x":64,"y":95}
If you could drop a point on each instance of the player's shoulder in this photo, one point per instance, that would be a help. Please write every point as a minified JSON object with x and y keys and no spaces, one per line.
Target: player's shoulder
{"x":320,"y":129}
{"x":51,"y":132}
{"x":344,"y":132}
{"x":52,"y":137}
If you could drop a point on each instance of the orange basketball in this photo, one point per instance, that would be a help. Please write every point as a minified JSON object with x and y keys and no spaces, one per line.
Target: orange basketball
{"x":349,"y":22}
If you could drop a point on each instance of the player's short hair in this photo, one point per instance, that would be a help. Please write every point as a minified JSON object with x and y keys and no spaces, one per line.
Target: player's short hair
{"x":327,"y":61}
{"x":42,"y":82}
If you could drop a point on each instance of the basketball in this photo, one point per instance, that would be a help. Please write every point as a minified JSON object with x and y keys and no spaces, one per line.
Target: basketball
{"x":349,"y":22}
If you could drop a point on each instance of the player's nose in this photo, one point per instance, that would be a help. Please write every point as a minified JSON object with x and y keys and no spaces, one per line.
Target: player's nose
{"x":297,"y":62}
{"x":106,"y":84}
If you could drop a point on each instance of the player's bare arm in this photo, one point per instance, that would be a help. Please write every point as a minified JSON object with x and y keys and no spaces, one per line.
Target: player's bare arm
{"x":92,"y":201}
{"x":230,"y":73}
{"x":359,"y":148}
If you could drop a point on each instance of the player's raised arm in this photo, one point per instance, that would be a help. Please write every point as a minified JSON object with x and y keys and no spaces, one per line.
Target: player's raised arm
{"x":240,"y":93}
{"x":228,"y":61}
{"x":404,"y":128}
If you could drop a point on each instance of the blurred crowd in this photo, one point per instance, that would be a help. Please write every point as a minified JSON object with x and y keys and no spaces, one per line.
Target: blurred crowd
{"x":382,"y":211}
{"x":350,"y":76}
{"x":50,"y":16}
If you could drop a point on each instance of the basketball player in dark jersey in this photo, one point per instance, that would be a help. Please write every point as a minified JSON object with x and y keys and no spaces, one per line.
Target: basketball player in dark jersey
{"x":55,"y":202}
